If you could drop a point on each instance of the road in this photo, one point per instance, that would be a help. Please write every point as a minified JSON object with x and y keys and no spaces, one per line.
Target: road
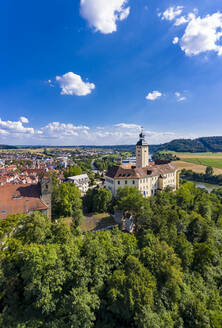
{"x":93,"y":167}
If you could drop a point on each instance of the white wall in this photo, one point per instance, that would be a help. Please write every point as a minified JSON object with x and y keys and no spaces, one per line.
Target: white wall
{"x":148,"y":186}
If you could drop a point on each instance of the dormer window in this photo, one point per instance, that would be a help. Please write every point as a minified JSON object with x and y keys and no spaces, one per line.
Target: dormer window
{"x":16,"y":196}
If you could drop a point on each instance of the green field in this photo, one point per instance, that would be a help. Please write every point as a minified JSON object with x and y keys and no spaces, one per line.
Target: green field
{"x":193,"y":154}
{"x":214,"y":162}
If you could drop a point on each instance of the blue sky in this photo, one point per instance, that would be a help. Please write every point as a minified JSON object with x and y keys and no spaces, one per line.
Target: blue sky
{"x":92,"y":72}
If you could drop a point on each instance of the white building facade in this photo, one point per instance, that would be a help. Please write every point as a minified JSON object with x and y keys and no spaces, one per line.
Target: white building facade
{"x":81,"y":181}
{"x":146,"y":176}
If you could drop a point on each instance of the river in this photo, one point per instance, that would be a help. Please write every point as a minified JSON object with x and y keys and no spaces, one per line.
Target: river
{"x":202,"y":185}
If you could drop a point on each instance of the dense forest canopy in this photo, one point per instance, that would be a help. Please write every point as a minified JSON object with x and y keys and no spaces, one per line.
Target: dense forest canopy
{"x":7,"y":147}
{"x":167,"y":275}
{"x":207,"y":177}
{"x":206,"y":144}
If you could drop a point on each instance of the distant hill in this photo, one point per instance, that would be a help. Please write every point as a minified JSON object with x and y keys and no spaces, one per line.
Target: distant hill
{"x":7,"y":147}
{"x":123,"y":148}
{"x":199,"y":145}
{"x":205,"y":144}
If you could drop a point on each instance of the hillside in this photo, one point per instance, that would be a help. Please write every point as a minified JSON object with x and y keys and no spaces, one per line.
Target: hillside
{"x":7,"y":147}
{"x":199,"y":145}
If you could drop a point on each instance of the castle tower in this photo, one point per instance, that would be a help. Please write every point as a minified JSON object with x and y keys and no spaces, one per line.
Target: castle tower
{"x":142,"y":152}
{"x":46,"y":193}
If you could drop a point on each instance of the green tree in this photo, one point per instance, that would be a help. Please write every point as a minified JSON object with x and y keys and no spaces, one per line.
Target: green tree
{"x":102,"y":200}
{"x":33,"y":228}
{"x":198,"y":229}
{"x":209,"y":171}
{"x":203,"y":257}
{"x":147,"y":319}
{"x":194,"y":313}
{"x":68,"y":203}
{"x":184,"y":249}
{"x":130,"y":199}
{"x":164,"y":264}
{"x":97,"y":200}
{"x":72,"y":171}
{"x":130,"y":289}
{"x":186,"y":195}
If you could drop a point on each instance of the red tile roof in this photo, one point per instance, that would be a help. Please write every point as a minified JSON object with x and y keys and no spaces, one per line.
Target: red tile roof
{"x":20,"y":198}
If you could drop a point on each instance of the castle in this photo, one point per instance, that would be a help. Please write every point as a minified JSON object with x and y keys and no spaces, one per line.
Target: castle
{"x":146,"y":176}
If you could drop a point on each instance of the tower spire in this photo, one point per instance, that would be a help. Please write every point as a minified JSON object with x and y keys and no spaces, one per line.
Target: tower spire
{"x":142,"y":135}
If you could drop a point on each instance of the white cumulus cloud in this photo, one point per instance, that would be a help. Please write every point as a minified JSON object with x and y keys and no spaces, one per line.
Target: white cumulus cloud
{"x":181,"y":20}
{"x":175,"y":40}
{"x":15,"y":127}
{"x":51,"y":84}
{"x":57,"y":133}
{"x":180,"y":97}
{"x":171,"y":13}
{"x":3,"y":132}
{"x":202,"y":35}
{"x":60,"y":130}
{"x":153,"y":95}
{"x":128,"y":126}
{"x":72,"y":84}
{"x":23,"y":119}
{"x":103,"y":15}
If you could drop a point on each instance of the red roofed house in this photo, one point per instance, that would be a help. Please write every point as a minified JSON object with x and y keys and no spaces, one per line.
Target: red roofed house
{"x":25,"y":198}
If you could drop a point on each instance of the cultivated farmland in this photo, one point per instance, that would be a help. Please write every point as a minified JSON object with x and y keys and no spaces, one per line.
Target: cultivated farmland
{"x":198,"y":162}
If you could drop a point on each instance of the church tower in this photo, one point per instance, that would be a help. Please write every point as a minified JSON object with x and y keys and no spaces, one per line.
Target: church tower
{"x":46,"y":193}
{"x":142,"y":152}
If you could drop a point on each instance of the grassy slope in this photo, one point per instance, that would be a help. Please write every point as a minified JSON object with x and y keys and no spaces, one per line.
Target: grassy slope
{"x":93,"y":221}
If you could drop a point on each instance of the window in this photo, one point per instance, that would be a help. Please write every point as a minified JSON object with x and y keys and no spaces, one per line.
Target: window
{"x":133,"y":182}
{"x":126,"y":182}
{"x":3,"y":212}
{"x":118,"y":182}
